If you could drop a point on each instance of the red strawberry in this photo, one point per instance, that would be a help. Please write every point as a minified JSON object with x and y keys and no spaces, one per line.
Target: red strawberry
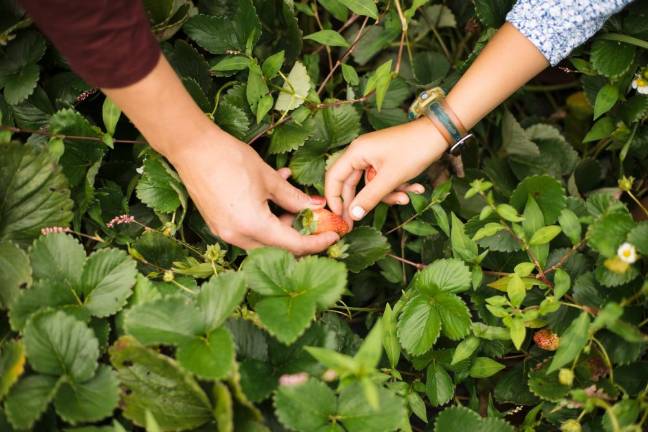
{"x":546,"y":339}
{"x":317,"y":221}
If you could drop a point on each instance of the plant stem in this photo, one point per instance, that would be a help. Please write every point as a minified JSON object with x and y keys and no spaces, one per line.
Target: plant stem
{"x":65,"y":137}
{"x":625,"y":39}
{"x":419,"y":266}
{"x":551,"y":87}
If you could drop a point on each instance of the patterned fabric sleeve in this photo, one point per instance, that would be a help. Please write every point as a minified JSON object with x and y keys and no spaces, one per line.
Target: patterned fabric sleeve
{"x":556,"y":27}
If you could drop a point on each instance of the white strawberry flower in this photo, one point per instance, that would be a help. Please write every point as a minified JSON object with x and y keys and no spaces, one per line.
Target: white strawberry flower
{"x":627,"y":253}
{"x":640,"y":82}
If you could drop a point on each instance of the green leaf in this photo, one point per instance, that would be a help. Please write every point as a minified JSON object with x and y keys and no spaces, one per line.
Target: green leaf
{"x":21,"y":84}
{"x":107,"y":281}
{"x":420,"y":228}
{"x":289,"y":137}
{"x":419,"y":326}
{"x":58,"y":257}
{"x":110,"y":114}
{"x":390,"y":338}
{"x":12,"y":365}
{"x":516,"y":290}
{"x":169,"y":320}
{"x":266,"y":270}
{"x":350,"y":75}
{"x":33,"y":191}
{"x":219,"y":297}
{"x":362,"y":7}
{"x":492,"y":12}
{"x":264,"y":107}
{"x":612,"y":58}
{"x":366,"y":246}
{"x":546,"y":385}
{"x":272,"y":65}
{"x":626,"y":413}
{"x":157,"y":384}
{"x":89,"y":401}
{"x":358,"y":416}
{"x":571,"y":342}
{"x":515,"y":140}
{"x":370,"y":352}
{"x":58,"y":344}
{"x":29,"y":399}
{"x":518,"y":332}
{"x":546,"y":191}
{"x":638,"y":237}
{"x":454,"y":314}
{"x":439,"y":387}
{"x":44,"y":293}
{"x":462,"y":246}
{"x":256,"y":87}
{"x":295,"y":89}
{"x":562,"y":283}
{"x":329,"y":38}
{"x":15,"y":273}
{"x":484,"y":367}
{"x":488,"y":230}
{"x":228,"y":32}
{"x":457,"y":419}
{"x":233,"y":63}
{"x":211,"y":357}
{"x":570,"y":225}
{"x":379,"y":81}
{"x":160,"y":187}
{"x":544,"y":235}
{"x":606,"y":98}
{"x":465,"y":349}
{"x":508,"y":213}
{"x":305,"y":407}
{"x":603,"y":128}
{"x":450,"y":275}
{"x":286,"y":317}
{"x":607,"y":233}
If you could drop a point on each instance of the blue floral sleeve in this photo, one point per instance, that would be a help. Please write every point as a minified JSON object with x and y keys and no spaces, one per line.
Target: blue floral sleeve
{"x":556,"y":27}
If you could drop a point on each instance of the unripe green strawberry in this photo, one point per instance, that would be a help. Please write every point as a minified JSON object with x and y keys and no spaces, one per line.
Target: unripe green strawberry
{"x":571,"y":426}
{"x":566,"y":377}
{"x":546,"y":339}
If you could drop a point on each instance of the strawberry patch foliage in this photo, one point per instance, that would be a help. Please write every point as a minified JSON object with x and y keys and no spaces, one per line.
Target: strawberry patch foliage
{"x":512,"y":295}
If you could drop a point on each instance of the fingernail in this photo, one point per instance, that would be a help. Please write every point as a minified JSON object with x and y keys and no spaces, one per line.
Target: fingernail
{"x":317,"y":200}
{"x":357,"y":212}
{"x":419,"y":189}
{"x":401,"y":201}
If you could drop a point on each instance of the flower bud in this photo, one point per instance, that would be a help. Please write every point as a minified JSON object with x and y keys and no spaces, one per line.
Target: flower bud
{"x":566,"y":377}
{"x":168,"y":276}
{"x":571,"y":426}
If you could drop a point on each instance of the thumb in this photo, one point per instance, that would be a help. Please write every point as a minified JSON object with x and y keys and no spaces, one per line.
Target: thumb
{"x":292,"y":199}
{"x":372,"y":194}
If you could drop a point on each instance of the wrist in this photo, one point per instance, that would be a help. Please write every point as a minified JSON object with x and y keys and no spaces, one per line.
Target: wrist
{"x":190,"y":137}
{"x":431,"y":141}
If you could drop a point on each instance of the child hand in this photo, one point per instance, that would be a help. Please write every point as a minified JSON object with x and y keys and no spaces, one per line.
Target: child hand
{"x":397,"y":154}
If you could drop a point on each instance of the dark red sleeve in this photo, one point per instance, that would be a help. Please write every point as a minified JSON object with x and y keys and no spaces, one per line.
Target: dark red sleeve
{"x":107,"y":42}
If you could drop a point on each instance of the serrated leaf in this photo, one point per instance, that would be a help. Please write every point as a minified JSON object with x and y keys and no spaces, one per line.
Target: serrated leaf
{"x":603,"y":128}
{"x":454,"y":314}
{"x":358,"y":416}
{"x":230,"y":31}
{"x":606,"y":98}
{"x":232,"y":63}
{"x":286,"y":317}
{"x":58,"y":257}
{"x":450,"y":275}
{"x":21,"y":84}
{"x":546,"y":191}
{"x":29,"y":399}
{"x":107,"y":281}
{"x":350,"y":75}
{"x":390,"y":338}
{"x":88,"y":401}
{"x":571,"y":342}
{"x":160,"y":187}
{"x":439,"y":387}
{"x":462,"y":246}
{"x":219,"y":297}
{"x":419,"y":326}
{"x":158,"y":385}
{"x":295,"y":89}
{"x":272,"y":65}
{"x":612,"y":58}
{"x":289,"y":137}
{"x":58,"y":344}
{"x":570,"y":225}
{"x":208,"y":357}
{"x":518,"y":332}
{"x":516,"y":290}
{"x":34,"y":193}
{"x":15,"y":273}
{"x":366,"y":246}
{"x":514,"y":139}
{"x":307,"y":406}
{"x":492,"y":12}
{"x":546,"y":385}
{"x":606,"y":234}
{"x":110,"y":115}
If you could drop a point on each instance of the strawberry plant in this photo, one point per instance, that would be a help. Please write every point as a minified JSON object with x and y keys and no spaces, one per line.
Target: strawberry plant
{"x":512,"y":295}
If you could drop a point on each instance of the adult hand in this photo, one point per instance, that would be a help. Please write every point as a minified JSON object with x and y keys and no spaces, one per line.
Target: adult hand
{"x":231,"y":185}
{"x":397,"y":154}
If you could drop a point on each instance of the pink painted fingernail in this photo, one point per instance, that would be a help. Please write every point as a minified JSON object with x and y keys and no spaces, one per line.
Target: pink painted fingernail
{"x":318,"y":200}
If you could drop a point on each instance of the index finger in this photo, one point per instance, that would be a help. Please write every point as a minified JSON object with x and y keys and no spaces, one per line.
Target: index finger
{"x":275,"y":233}
{"x":336,"y":175}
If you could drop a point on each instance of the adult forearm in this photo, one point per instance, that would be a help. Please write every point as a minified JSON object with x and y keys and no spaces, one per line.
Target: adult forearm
{"x":162,"y":110}
{"x":508,"y":62}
